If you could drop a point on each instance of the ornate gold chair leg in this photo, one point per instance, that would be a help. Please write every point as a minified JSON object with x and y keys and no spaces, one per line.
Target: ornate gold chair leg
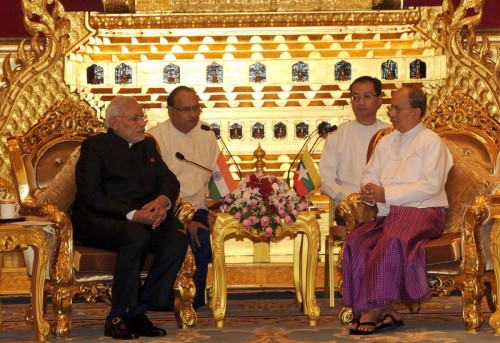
{"x":345,"y":316}
{"x":326,"y":290}
{"x":472,"y":295}
{"x":184,"y":293}
{"x":62,"y":303}
{"x":331,"y":270}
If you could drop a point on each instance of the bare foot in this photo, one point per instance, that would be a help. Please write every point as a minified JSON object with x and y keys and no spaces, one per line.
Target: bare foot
{"x":368,"y":321}
{"x":389,"y":315}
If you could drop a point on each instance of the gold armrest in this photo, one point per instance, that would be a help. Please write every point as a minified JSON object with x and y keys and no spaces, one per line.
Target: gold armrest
{"x":61,"y":256}
{"x":354,"y":211}
{"x":184,"y":211}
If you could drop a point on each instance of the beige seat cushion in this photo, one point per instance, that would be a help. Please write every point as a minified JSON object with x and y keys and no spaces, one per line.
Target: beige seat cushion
{"x":62,"y":190}
{"x":444,"y":249}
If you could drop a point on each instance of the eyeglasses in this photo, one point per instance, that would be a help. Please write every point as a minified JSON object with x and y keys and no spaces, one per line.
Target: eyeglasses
{"x":187,"y":109}
{"x":397,"y":110}
{"x":136,"y":118}
{"x":366,"y":97}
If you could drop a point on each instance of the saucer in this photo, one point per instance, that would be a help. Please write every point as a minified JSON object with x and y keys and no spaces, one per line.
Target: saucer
{"x":13,"y":219}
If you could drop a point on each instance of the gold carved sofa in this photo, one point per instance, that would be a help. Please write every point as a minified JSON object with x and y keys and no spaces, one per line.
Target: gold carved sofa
{"x":460,"y":260}
{"x":43,"y":162}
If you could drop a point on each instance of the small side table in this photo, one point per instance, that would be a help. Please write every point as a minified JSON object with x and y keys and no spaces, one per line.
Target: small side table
{"x":306,"y":248}
{"x":13,"y":236}
{"x":495,"y":254}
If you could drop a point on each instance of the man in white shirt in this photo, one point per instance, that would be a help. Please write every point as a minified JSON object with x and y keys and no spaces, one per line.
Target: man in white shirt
{"x":384,"y":259}
{"x":182,"y":133}
{"x":344,"y":154}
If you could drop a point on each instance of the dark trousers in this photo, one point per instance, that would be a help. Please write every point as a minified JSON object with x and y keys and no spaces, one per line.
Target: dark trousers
{"x":202,"y":256}
{"x":133,"y":242}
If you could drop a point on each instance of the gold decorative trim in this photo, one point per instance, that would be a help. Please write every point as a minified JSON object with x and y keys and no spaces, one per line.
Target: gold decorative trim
{"x":258,"y":19}
{"x":220,"y":6}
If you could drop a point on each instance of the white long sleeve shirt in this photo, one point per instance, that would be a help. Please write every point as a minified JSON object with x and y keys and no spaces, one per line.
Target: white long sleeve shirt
{"x":343,"y":158}
{"x":199,"y":146}
{"x":412,"y":167}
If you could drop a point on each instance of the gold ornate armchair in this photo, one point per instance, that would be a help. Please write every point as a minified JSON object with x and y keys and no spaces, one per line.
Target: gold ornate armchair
{"x":42,"y":163}
{"x":459,"y":260}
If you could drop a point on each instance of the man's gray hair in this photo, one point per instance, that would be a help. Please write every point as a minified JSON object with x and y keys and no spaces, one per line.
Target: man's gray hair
{"x":117,"y":106}
{"x":417,"y":98}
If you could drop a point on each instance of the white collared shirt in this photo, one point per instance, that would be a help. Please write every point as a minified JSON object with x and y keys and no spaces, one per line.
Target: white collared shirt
{"x":343,"y":158}
{"x":412,"y":167}
{"x":198,"y":146}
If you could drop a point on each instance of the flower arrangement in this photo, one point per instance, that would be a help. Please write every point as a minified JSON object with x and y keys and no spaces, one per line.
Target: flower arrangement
{"x":262,"y":202}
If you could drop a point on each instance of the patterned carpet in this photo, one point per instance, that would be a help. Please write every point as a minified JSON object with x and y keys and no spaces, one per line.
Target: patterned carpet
{"x":267,"y":317}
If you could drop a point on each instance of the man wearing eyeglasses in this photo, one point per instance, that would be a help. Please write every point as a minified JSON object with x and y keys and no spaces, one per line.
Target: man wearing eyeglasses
{"x":344,"y":154}
{"x":384,"y":259}
{"x":124,"y":203}
{"x":183,"y":133}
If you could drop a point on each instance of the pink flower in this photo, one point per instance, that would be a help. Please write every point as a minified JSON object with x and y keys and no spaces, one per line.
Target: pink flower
{"x":253,"y":220}
{"x":263,"y":202}
{"x":302,"y":206}
{"x":264,"y":221}
{"x":269,"y":231}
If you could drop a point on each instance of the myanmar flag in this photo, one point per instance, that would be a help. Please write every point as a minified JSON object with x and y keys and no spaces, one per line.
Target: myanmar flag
{"x":306,"y":178}
{"x":221,"y":183}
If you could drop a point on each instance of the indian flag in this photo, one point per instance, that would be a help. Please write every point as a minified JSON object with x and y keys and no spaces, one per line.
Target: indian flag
{"x":306,"y":178}
{"x":221,"y":183}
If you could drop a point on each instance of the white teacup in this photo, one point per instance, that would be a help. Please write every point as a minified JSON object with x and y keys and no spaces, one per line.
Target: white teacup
{"x":8,"y":209}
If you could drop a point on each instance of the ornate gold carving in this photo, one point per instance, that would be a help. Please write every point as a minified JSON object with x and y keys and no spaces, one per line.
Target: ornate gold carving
{"x":224,"y":20}
{"x":184,"y":287}
{"x":495,"y":252}
{"x":65,"y":118}
{"x":36,"y":80}
{"x":7,"y":190}
{"x":462,"y":113}
{"x":221,"y":6}
{"x":471,"y":69}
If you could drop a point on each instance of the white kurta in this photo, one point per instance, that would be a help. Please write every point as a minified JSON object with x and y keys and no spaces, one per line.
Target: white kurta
{"x":344,"y":157}
{"x":412,"y":167}
{"x":199,"y":146}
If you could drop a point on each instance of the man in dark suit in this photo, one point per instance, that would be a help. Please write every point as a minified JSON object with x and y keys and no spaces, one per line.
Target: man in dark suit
{"x":124,"y":203}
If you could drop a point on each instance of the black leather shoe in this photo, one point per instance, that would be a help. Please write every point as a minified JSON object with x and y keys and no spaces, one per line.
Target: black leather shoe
{"x":143,"y":326}
{"x":118,"y":328}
